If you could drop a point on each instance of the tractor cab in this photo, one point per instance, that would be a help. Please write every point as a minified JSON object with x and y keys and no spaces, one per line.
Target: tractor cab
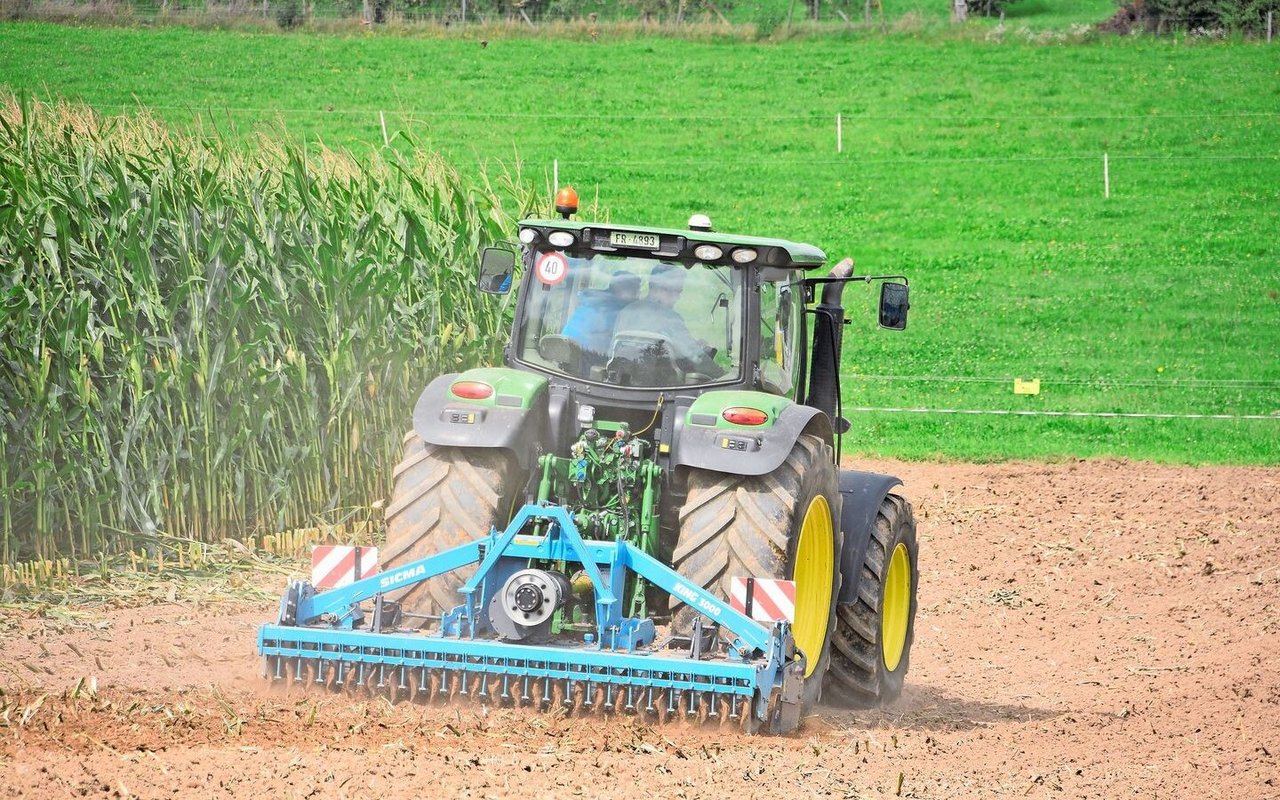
{"x":657,"y":309}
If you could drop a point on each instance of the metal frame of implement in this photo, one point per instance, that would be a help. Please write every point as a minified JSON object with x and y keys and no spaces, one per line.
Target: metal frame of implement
{"x":323,"y":629}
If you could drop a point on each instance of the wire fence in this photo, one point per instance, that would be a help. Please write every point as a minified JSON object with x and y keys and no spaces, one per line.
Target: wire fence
{"x":1244,"y":384}
{"x":1254,"y":399}
{"x":1038,"y":413}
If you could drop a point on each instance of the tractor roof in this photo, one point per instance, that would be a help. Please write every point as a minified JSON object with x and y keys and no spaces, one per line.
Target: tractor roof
{"x":681,"y":242}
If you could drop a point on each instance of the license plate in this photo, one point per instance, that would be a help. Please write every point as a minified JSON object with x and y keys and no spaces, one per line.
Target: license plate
{"x":647,"y":241}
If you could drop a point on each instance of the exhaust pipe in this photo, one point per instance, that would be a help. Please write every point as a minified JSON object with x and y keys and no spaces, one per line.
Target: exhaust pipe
{"x":828,"y":334}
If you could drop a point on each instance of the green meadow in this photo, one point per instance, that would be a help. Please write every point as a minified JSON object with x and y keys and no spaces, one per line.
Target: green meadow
{"x":972,"y":164}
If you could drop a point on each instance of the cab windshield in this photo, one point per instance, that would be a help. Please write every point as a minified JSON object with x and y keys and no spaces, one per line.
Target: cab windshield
{"x":632,"y":321}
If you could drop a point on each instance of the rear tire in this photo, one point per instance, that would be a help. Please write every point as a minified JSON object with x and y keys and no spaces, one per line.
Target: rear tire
{"x":871,"y":654}
{"x":735,"y":525}
{"x":443,"y":497}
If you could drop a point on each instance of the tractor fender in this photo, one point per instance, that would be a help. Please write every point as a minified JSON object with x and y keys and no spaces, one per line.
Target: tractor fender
{"x":707,"y":441}
{"x":861,"y":494}
{"x":513,"y":417}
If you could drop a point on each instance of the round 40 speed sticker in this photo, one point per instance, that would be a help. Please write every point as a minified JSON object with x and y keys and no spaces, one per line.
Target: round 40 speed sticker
{"x":552,"y":268}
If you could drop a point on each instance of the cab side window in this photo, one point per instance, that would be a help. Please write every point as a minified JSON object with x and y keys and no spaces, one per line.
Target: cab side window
{"x":778,"y":336}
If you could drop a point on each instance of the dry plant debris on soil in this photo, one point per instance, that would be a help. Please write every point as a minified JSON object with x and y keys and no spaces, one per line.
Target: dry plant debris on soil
{"x":1087,"y":629}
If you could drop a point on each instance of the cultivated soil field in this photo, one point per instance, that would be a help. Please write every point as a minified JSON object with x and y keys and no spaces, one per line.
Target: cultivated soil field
{"x":1086,"y":629}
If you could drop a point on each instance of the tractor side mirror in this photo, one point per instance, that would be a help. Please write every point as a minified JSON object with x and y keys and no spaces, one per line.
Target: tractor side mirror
{"x":497,"y":265}
{"x":893,"y":306}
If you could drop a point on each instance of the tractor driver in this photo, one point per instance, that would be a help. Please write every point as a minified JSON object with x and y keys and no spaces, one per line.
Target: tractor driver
{"x":656,"y":314}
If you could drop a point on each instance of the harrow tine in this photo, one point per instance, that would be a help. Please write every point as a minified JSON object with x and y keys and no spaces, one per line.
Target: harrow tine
{"x":279,"y":669}
{"x":649,"y":701}
{"x":506,"y":695}
{"x":546,"y":693}
{"x":714,"y":701}
{"x":693,"y":703}
{"x":382,"y":676}
{"x":631,"y":704}
{"x":567,"y":702}
{"x":733,"y":707}
{"x":589,"y":700}
{"x":483,"y":694}
{"x":525,"y":699}
{"x":608,"y":697}
{"x":673,"y":696}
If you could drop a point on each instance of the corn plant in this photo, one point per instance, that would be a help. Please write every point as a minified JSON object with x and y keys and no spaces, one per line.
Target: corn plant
{"x":209,"y":338}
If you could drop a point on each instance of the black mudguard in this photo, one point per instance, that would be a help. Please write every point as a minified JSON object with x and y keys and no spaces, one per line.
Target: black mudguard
{"x":700,"y":447}
{"x":861,"y":494}
{"x":437,"y":419}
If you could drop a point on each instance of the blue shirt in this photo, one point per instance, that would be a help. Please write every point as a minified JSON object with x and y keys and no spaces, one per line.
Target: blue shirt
{"x":591,"y":324}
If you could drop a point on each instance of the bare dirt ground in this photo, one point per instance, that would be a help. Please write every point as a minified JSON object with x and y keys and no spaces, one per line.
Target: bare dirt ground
{"x":1089,"y":629}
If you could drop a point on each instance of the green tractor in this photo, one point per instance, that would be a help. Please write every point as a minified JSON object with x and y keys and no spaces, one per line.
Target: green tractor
{"x":679,"y":390}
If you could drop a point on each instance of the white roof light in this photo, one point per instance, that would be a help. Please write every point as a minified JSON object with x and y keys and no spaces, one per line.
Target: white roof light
{"x":700,"y":222}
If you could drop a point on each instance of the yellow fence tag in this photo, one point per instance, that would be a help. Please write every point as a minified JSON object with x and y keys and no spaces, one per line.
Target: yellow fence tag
{"x":1026,"y":387}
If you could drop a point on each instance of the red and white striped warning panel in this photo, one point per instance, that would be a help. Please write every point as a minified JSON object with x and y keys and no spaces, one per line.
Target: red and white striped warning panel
{"x":771,"y":600}
{"x":335,"y":565}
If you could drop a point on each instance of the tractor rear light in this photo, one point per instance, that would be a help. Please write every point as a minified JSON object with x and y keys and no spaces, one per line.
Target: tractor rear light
{"x":707,"y":252}
{"x":744,"y":255}
{"x":471,"y":390}
{"x":528,"y":235}
{"x":560,"y":238}
{"x":740,"y":415}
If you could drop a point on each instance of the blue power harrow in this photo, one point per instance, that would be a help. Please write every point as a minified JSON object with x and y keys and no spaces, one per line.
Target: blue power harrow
{"x":504,"y":643}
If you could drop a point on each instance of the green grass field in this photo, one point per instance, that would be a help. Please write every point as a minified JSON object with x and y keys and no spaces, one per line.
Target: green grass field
{"x":974,"y":166}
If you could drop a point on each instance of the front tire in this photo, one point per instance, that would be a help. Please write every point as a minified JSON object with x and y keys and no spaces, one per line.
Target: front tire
{"x":443,"y":497}
{"x":872,"y":646}
{"x":780,"y":525}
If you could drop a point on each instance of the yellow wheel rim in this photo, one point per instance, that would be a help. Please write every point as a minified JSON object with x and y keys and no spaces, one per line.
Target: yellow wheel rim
{"x":895,"y":611}
{"x":814,"y":569}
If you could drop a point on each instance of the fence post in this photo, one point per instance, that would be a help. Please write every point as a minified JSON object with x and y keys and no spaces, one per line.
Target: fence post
{"x":1106,"y":176}
{"x":1270,"y":15}
{"x":839,"y":132}
{"x":555,"y":176}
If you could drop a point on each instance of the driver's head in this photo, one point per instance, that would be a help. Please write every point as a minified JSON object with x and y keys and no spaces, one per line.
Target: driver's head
{"x":625,"y":286}
{"x":666,"y":282}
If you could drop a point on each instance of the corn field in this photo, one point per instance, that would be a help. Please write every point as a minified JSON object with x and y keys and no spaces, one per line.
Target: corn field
{"x":206,"y":337}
